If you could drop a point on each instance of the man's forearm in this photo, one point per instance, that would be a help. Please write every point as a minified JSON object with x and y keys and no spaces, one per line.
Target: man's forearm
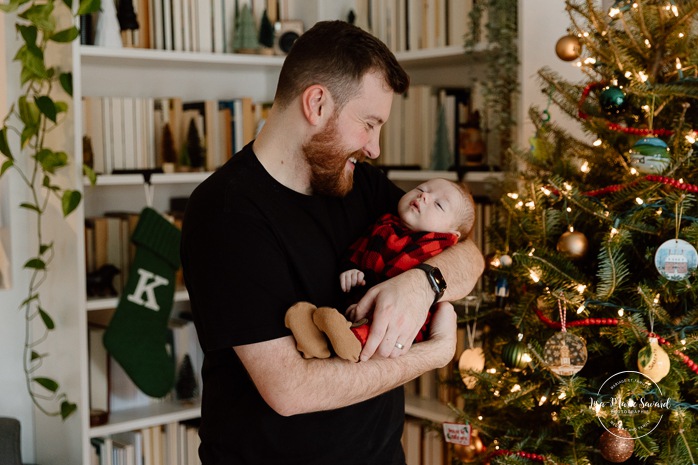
{"x":293,"y":385}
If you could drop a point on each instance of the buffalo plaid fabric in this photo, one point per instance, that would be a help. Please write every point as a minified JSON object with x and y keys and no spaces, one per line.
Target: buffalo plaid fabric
{"x":390,"y":248}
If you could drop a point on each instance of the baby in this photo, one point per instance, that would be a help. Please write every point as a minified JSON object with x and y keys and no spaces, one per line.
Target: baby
{"x":431,"y":217}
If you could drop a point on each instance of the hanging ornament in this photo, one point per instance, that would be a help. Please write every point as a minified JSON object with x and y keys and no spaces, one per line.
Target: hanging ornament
{"x":515,"y":354}
{"x":472,"y":358}
{"x":568,"y":48}
{"x":616,"y":445}
{"x":676,"y":259}
{"x":506,"y":261}
{"x":565,"y":353}
{"x":613,"y":100}
{"x":573,"y":244}
{"x":650,"y":155}
{"x":653,"y":361}
{"x":470,"y":453}
{"x":501,"y":291}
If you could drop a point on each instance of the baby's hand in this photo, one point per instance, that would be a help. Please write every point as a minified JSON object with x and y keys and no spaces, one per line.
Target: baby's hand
{"x":351,"y":278}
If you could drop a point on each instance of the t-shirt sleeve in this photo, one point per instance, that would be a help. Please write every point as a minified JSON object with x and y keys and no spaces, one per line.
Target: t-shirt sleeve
{"x":240,"y":298}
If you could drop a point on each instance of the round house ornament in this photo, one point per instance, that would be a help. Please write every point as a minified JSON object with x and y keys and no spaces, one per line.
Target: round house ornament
{"x":676,"y":259}
{"x":568,"y":48}
{"x":653,"y":361}
{"x":469,"y":453}
{"x":565,"y":353}
{"x":506,"y":260}
{"x":616,"y":445}
{"x":613,"y":100}
{"x":650,"y":155}
{"x":573,"y":244}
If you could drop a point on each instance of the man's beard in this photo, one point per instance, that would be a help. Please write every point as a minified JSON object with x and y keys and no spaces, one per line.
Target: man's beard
{"x":327,"y":162}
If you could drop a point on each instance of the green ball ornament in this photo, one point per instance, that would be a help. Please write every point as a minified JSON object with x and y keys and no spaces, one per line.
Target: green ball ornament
{"x":613,"y":100}
{"x":650,"y":155}
{"x":515,"y":355}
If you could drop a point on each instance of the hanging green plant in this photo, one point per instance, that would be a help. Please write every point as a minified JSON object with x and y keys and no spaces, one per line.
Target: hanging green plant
{"x":29,"y":120}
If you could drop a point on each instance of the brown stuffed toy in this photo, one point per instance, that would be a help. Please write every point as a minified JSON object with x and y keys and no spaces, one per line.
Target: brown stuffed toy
{"x":312,"y":327}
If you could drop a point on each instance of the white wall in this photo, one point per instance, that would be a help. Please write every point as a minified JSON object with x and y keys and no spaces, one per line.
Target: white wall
{"x":541,"y":24}
{"x":14,"y":399}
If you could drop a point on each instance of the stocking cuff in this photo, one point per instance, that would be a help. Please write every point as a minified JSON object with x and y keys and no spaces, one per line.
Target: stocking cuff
{"x":158,"y":235}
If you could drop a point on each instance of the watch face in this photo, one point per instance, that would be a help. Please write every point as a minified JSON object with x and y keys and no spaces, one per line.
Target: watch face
{"x":438,"y":279}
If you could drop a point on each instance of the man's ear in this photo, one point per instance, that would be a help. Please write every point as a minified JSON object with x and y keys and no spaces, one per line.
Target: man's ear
{"x":315,"y":101}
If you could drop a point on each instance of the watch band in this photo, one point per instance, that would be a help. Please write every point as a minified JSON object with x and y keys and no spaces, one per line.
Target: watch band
{"x":435,"y":278}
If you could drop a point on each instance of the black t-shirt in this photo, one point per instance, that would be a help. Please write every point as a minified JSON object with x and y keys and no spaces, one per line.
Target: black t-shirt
{"x":251,"y":248}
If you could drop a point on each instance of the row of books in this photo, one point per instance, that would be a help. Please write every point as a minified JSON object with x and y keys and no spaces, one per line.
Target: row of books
{"x":423,"y":445}
{"x":124,"y":133}
{"x":170,"y":444}
{"x":406,"y":25}
{"x":206,"y":26}
{"x":410,"y":137}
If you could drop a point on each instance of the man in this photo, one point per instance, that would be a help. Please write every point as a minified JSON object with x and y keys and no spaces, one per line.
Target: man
{"x":268,"y":230}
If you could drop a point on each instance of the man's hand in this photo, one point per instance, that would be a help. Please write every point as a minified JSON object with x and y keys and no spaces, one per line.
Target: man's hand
{"x":399,"y":307}
{"x":350,"y":279}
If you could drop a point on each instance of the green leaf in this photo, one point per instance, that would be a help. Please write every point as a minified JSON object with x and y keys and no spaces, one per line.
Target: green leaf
{"x":67,"y":409}
{"x":70,"y":201}
{"x":29,"y":206}
{"x":48,"y":383}
{"x":35,"y":356}
{"x":50,"y":160}
{"x":6,"y":166}
{"x":28,"y":33}
{"x":27,"y":133}
{"x":46,"y":106}
{"x":4,"y":146}
{"x":40,"y":15}
{"x":89,"y":6}
{"x":69,"y":4}
{"x":44,"y":248}
{"x":10,"y":7}
{"x":28,"y":111}
{"x":90,"y":173}
{"x":66,"y":35}
{"x":29,"y":299}
{"x":61,"y":107}
{"x":35,"y":264}
{"x":66,"y":80}
{"x":46,"y":318}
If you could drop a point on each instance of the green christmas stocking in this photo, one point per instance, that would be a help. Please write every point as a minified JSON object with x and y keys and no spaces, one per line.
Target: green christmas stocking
{"x":137,"y":334}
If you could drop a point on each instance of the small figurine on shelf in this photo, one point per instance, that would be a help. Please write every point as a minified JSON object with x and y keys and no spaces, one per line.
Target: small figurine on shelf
{"x":471,"y":143}
{"x":100,"y":283}
{"x":195,"y":150}
{"x":245,"y":39}
{"x":128,"y":23}
{"x":266,"y":35}
{"x":169,"y":153}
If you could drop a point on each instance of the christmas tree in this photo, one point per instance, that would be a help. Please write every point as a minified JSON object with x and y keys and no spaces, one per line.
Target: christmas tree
{"x":589,"y":348}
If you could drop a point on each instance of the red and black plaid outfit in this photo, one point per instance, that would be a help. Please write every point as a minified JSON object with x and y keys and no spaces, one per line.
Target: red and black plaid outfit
{"x":390,"y":248}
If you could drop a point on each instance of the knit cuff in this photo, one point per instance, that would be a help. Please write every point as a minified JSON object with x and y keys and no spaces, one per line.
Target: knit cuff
{"x":158,"y":235}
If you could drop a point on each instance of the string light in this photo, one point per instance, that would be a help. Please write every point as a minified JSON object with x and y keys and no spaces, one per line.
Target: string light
{"x":526,"y":357}
{"x":621,"y":312}
{"x":567,"y":186}
{"x":659,"y":211}
{"x":634,"y":171}
{"x":614,"y":231}
{"x":531,"y":205}
{"x":516,"y":388}
{"x":691,"y":137}
{"x":639,"y":201}
{"x":643,"y":76}
{"x":534,"y":276}
{"x":647,"y":43}
{"x":513,"y":195}
{"x":597,"y":142}
{"x":581,"y":308}
{"x":581,"y":288}
{"x":546,"y":191}
{"x":479,"y":417}
{"x":530,"y":254}
{"x":585,"y":167}
{"x":562,"y":395}
{"x":542,"y":400}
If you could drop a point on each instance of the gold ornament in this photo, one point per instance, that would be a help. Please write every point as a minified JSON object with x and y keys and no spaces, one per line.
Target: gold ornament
{"x":616,"y":445}
{"x":469,"y":453}
{"x":573,"y":244}
{"x":568,"y":48}
{"x":653,"y":361}
{"x":471,"y":359}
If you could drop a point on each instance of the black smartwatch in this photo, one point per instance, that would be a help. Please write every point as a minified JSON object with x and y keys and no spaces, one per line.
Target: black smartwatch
{"x":436,"y":279}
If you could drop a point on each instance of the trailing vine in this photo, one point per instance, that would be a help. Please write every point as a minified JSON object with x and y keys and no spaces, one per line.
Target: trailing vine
{"x":24,"y":129}
{"x":498,"y":18}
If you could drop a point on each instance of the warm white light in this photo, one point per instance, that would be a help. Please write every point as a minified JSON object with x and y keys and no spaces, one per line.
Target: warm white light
{"x":621,"y":312}
{"x":647,"y":43}
{"x":656,"y":299}
{"x":542,"y":400}
{"x":567,"y":186}
{"x":639,"y":201}
{"x":680,"y":180}
{"x":614,"y":231}
{"x":634,"y":171}
{"x":496,"y":393}
{"x":628,"y":74}
{"x":530,"y":254}
{"x":571,"y":228}
{"x":585,"y":167}
{"x":643,"y":76}
{"x":597,"y":142}
{"x":581,"y":308}
{"x":613,"y":12}
{"x":545,"y":190}
{"x":678,"y":63}
{"x":526,"y":358}
{"x":683,"y":342}
{"x":562,"y":395}
{"x":590,"y":61}
{"x":646,"y":108}
{"x":479,"y":417}
{"x":513,"y":195}
{"x":492,"y":371}
{"x":519,"y":204}
{"x":569,"y":210}
{"x":681,"y":34}
{"x":531,"y":205}
{"x":691,"y":137}
{"x":581,"y":288}
{"x":659,"y":211}
{"x":675,"y":10}
{"x":515,"y":388}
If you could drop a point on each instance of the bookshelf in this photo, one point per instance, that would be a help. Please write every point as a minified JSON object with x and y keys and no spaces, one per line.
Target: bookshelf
{"x":159,"y":74}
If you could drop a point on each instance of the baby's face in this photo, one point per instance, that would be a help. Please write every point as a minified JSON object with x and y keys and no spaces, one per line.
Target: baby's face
{"x":434,"y":206}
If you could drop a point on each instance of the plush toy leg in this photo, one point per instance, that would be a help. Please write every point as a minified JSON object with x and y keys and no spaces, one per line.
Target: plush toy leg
{"x":337,"y":329}
{"x":309,"y":340}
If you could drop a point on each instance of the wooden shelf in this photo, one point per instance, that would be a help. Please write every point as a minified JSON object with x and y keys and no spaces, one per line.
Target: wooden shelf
{"x":111,"y":302}
{"x":428,"y":409}
{"x":145,"y":417}
{"x":157,"y":178}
